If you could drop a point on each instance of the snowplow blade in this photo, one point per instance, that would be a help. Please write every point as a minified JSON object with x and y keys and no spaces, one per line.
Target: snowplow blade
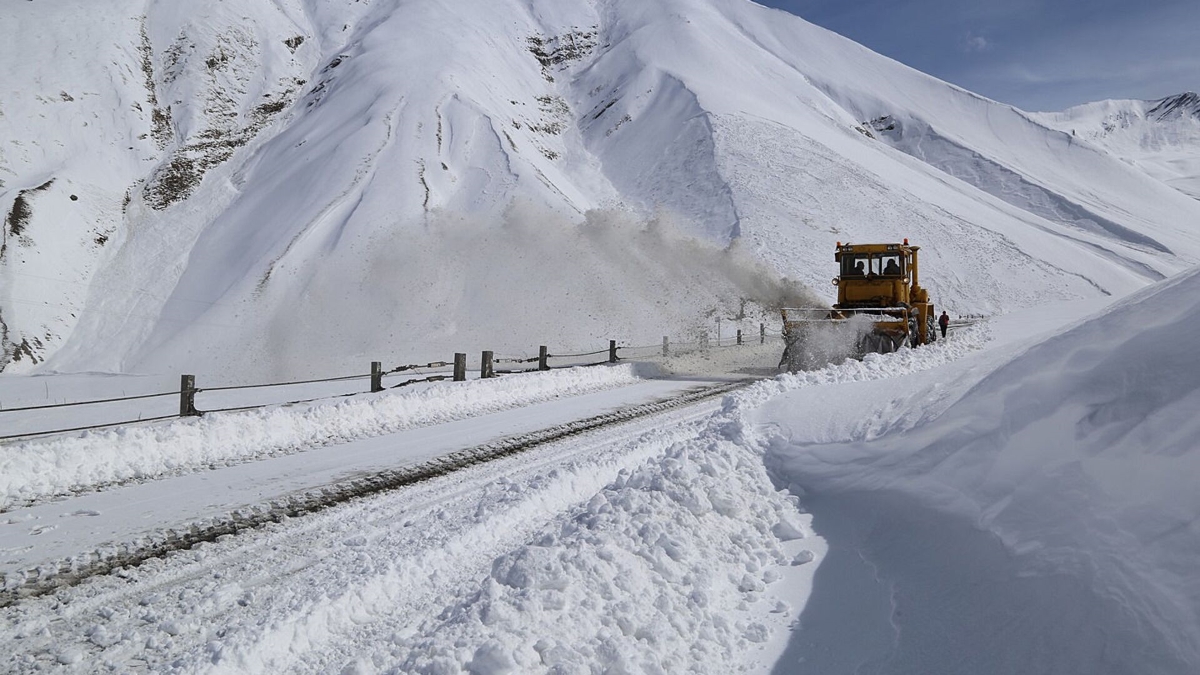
{"x":816,"y":337}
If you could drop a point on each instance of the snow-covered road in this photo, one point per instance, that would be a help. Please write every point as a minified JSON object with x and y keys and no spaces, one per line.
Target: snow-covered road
{"x":676,"y":506}
{"x":331,"y":589}
{"x":47,"y":533}
{"x":656,"y":544}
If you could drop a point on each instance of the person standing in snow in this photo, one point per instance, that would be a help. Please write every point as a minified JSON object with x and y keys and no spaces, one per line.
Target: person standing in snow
{"x":944,"y":322}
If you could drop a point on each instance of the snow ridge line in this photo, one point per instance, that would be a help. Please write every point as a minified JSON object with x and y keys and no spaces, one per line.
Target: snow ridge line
{"x":69,"y":572}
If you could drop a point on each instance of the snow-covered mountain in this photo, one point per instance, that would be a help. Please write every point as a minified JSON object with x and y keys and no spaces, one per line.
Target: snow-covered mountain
{"x":295,"y":186}
{"x":1161,"y":137}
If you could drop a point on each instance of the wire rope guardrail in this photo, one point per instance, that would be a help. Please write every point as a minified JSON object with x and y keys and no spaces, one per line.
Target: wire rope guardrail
{"x":188,"y":390}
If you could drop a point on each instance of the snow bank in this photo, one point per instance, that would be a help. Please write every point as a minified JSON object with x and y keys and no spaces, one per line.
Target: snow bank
{"x":669,"y":568}
{"x":882,"y":366}
{"x":38,"y":469}
{"x":1059,"y":489}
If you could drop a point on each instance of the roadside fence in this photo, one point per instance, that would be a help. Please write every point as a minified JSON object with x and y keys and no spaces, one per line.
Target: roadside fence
{"x":455,"y":370}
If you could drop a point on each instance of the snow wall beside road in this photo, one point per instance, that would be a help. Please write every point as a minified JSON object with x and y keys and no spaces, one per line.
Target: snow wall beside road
{"x":1046,"y":521}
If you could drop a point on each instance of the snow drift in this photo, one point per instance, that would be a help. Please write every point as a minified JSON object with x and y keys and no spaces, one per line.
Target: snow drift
{"x":1052,"y":506}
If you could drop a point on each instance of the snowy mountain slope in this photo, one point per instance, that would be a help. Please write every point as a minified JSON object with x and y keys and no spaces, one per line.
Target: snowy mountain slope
{"x":995,"y":148}
{"x":1161,"y":137}
{"x":60,"y":193}
{"x":315,"y":180}
{"x":159,"y":98}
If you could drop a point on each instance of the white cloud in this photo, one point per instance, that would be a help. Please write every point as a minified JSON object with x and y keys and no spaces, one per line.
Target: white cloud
{"x":972,"y":43}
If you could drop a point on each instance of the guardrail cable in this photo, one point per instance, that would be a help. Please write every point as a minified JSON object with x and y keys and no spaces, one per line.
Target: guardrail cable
{"x":397,"y":369}
{"x":87,"y":428}
{"x":281,"y":384}
{"x":569,"y":356}
{"x":416,"y":366}
{"x":92,"y":402}
{"x":431,"y":378}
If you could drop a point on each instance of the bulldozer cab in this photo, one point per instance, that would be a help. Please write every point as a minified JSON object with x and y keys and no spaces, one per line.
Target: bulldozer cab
{"x":875,"y":275}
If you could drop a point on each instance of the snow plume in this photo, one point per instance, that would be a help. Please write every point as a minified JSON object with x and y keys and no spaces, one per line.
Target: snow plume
{"x":820,"y":343}
{"x":529,"y":278}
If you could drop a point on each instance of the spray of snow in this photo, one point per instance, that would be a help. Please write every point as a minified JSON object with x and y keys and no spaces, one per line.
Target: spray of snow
{"x":571,"y":285}
{"x":819,"y":343}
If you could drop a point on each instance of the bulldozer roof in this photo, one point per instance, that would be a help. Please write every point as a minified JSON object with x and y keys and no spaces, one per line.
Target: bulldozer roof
{"x":875,"y":248}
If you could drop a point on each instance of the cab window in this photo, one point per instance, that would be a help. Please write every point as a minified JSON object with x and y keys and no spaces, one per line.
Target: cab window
{"x":855,"y":265}
{"x":888,"y":265}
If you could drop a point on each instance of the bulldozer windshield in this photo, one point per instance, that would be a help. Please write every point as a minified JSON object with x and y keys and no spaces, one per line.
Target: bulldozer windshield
{"x":877,"y":265}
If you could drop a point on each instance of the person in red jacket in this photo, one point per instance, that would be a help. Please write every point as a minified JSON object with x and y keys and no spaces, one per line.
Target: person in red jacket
{"x":944,"y":322}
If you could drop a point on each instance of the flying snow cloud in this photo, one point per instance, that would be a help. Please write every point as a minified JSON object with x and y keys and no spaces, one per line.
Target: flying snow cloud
{"x":531,"y":278}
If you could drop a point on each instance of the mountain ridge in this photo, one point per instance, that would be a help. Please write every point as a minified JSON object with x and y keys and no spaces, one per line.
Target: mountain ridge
{"x":1160,"y":136}
{"x":1185,"y":104}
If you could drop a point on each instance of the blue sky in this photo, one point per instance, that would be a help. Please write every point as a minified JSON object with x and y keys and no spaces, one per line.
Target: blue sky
{"x":1034,"y":54}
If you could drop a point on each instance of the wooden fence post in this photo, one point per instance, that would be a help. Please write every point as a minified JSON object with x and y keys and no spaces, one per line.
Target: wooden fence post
{"x":612,"y":351}
{"x":543,"y":358}
{"x":187,"y":396}
{"x":739,"y":336}
{"x":460,"y":367}
{"x":376,"y":377}
{"x":762,"y":333}
{"x":485,"y":367}
{"x":666,"y":346}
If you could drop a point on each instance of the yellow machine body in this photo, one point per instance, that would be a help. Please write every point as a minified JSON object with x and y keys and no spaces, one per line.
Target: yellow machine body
{"x":885,"y":277}
{"x":879,"y":282}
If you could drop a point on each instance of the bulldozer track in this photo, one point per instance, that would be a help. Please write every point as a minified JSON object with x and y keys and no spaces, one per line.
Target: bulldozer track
{"x":49,"y":578}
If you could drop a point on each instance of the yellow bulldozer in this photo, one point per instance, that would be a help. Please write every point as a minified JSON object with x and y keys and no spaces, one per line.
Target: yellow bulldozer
{"x":880,"y":307}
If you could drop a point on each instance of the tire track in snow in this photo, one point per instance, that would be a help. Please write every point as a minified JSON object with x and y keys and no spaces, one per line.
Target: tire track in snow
{"x":253,"y":594}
